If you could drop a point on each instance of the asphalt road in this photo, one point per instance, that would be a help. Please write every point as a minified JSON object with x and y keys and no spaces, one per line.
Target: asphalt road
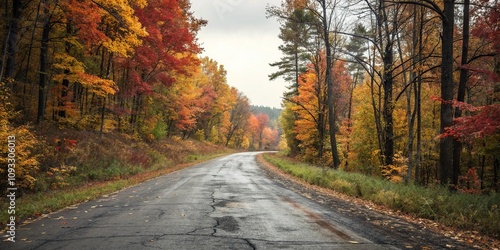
{"x":227,"y":203}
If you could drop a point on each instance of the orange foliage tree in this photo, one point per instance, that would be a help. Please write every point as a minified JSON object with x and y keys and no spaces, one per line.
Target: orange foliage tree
{"x":311,"y":125}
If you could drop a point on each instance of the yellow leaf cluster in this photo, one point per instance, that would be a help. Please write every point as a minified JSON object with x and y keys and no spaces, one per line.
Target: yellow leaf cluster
{"x":26,"y":162}
{"x":120,"y":14}
{"x":64,"y":61}
{"x":397,"y":171}
{"x":99,"y":86}
{"x":59,"y":175}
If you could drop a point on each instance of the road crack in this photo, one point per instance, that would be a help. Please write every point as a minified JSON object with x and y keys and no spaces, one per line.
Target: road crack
{"x":250,"y":244}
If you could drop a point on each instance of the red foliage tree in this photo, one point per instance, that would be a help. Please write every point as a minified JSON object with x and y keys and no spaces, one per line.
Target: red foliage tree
{"x":485,"y":120}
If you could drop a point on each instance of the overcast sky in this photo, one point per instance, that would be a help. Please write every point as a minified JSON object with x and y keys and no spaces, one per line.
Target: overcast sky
{"x":239,"y":36}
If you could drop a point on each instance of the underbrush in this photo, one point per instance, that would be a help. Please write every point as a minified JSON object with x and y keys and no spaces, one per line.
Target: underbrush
{"x":459,"y":210}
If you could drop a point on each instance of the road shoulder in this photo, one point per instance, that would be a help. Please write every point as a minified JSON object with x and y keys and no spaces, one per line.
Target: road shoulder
{"x":416,"y":231}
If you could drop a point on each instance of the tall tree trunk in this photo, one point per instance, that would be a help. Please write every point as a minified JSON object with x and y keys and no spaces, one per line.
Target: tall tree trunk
{"x":329,"y":82}
{"x":496,"y":170}
{"x":447,"y":86}
{"x":65,"y":82}
{"x":415,"y":119}
{"x":28,"y":61}
{"x":12,"y":37}
{"x":349,"y":118}
{"x":44,"y":48}
{"x":388,"y":106}
{"x":412,"y":113}
{"x":321,"y":126}
{"x":294,"y":147}
{"x":418,"y":99}
{"x":376,"y":104}
{"x":103,"y":112}
{"x":385,"y":33}
{"x":133,"y":115}
{"x":462,"y":86}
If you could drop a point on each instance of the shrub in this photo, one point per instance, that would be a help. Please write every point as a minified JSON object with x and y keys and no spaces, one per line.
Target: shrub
{"x":17,"y":147}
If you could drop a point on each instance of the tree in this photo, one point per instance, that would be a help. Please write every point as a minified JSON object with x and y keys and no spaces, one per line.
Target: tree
{"x":447,"y":85}
{"x":295,"y":32}
{"x":215,"y":113}
{"x":167,"y":50}
{"x":324,"y":12}
{"x":12,"y":39}
{"x":457,"y":146}
{"x":481,"y":124}
{"x":356,"y":48}
{"x":311,"y":108}
{"x":447,"y":15}
{"x":298,"y":28}
{"x":257,"y":124}
{"x":326,"y":25}
{"x":240,"y":113}
{"x":287,"y":123}
{"x":43,"y":63}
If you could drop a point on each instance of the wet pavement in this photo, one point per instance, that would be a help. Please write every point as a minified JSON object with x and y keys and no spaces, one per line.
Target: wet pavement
{"x":226,"y":203}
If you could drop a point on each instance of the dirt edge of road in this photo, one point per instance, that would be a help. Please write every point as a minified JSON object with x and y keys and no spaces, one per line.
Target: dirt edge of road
{"x":470,"y":239}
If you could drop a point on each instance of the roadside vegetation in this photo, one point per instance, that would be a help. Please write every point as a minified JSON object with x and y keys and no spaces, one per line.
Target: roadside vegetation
{"x":459,"y":210}
{"x":398,"y":93}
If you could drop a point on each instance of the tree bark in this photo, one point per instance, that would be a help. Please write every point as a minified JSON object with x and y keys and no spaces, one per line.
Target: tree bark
{"x":103,"y":110}
{"x":462,"y":86}
{"x":44,"y":48}
{"x":412,"y":113}
{"x":65,"y":83}
{"x":12,"y":39}
{"x":447,"y":86}
{"x":329,"y":82}
{"x":388,"y":106}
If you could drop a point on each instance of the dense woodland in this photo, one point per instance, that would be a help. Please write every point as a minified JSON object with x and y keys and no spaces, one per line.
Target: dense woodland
{"x":130,"y":67}
{"x":406,"y":90}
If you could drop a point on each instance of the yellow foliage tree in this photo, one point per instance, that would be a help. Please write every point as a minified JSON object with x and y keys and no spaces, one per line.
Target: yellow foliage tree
{"x":17,"y":148}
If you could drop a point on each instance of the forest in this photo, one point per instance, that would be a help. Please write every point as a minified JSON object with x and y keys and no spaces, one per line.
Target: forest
{"x":127,"y":69}
{"x":408,"y":91}
{"x":403,"y":90}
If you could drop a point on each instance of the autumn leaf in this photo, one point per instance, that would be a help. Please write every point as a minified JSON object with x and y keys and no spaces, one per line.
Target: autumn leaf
{"x":97,"y":85}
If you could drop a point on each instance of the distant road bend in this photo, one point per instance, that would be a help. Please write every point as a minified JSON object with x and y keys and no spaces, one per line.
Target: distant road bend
{"x":226,"y":203}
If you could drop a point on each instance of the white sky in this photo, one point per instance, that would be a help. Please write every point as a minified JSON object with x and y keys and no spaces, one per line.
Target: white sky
{"x":239,"y":36}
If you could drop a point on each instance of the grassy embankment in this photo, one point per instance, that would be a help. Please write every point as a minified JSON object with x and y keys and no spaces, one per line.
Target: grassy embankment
{"x":462,"y":211}
{"x":91,"y":168}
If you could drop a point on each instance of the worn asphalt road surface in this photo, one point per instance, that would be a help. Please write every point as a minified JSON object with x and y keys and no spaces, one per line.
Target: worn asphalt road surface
{"x":227,"y":203}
